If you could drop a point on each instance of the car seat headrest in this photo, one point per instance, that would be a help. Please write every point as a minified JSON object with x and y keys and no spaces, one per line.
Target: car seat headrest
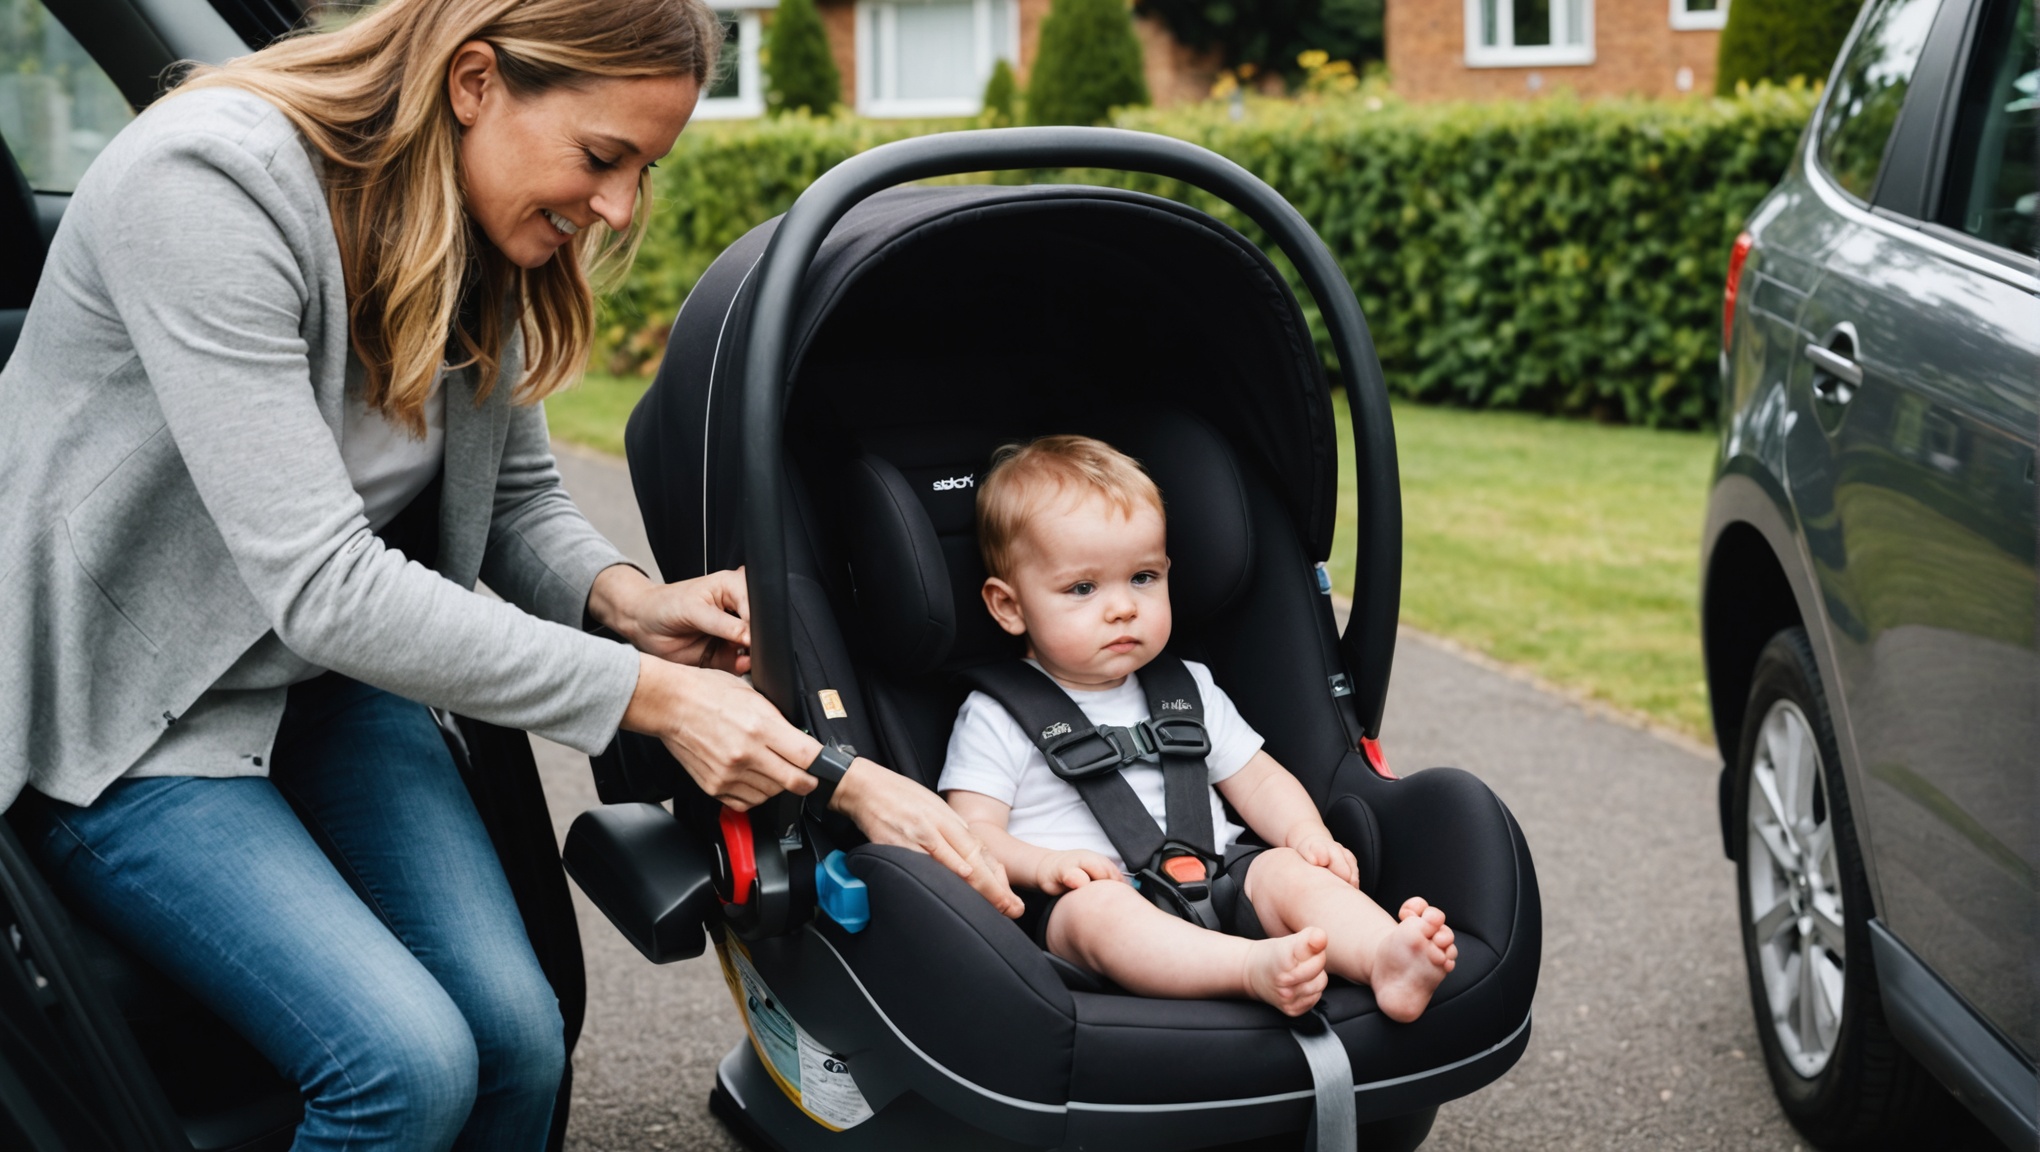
{"x":898,"y":572}
{"x":1211,"y":533}
{"x":911,"y":540}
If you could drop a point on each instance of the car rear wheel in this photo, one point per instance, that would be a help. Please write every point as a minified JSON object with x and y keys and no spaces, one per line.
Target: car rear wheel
{"x":1841,"y":1077}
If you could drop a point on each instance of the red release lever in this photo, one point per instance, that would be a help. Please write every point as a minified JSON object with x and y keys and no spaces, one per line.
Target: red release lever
{"x":736,"y":834}
{"x":1184,"y":869}
{"x":1376,"y":759}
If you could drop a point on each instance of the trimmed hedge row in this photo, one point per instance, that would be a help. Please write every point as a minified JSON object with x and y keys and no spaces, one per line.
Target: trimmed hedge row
{"x":1549,"y":255}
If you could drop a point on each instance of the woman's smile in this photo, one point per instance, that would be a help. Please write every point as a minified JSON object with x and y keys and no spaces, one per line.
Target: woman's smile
{"x":565,"y":227}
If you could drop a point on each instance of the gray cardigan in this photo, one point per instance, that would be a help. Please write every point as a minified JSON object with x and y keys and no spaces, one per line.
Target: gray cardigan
{"x":179,"y":540}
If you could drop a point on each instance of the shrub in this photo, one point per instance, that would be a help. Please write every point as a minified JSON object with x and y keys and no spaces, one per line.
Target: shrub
{"x":1088,"y":63}
{"x":1270,"y":34}
{"x":1550,"y":255}
{"x":1777,"y":40}
{"x":1000,"y":93}
{"x":799,"y":70}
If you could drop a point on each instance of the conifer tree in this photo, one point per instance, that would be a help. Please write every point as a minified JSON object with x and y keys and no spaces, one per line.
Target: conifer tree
{"x":1089,"y":63}
{"x":800,"y":72}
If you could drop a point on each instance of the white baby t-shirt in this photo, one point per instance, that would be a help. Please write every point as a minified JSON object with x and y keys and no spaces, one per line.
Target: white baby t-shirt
{"x":989,"y":753}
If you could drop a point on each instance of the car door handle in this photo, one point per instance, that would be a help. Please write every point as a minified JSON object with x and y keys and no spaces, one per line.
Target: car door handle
{"x":1838,"y":369}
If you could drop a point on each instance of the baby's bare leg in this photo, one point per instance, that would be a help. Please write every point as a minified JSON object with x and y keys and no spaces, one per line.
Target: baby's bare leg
{"x":1403,"y":959}
{"x":1111,"y":929}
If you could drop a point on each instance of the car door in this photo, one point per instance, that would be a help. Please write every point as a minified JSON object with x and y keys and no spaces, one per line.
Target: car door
{"x":1921,"y":368}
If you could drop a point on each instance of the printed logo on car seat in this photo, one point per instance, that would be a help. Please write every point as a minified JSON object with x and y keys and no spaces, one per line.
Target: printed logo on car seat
{"x":1175,"y":705}
{"x":952,"y":483}
{"x":1059,"y":728}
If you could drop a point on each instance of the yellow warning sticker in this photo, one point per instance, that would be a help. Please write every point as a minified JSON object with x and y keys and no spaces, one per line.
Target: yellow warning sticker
{"x":816,"y":1080}
{"x":832,"y":704}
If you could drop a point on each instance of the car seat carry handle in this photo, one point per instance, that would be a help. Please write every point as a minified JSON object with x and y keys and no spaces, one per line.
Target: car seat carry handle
{"x":1368,"y":645}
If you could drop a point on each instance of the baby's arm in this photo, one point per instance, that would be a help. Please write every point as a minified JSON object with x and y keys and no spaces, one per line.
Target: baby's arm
{"x":1275,"y":806}
{"x":1028,"y":865}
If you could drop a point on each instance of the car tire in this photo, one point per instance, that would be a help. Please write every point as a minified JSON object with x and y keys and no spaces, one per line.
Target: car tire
{"x":1840,"y":1075}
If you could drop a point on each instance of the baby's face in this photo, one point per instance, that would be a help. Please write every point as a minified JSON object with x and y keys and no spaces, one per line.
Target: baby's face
{"x":1089,"y":589}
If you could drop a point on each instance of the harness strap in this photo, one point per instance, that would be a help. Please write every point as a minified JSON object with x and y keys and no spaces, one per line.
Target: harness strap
{"x":1172,"y":695}
{"x":1090,"y":757}
{"x":1334,"y":1123}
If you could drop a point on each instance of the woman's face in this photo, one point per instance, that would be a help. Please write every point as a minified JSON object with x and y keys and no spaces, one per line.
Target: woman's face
{"x":537,"y":169}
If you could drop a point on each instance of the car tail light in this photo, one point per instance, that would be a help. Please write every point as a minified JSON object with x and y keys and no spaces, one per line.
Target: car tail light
{"x":1736,"y":256}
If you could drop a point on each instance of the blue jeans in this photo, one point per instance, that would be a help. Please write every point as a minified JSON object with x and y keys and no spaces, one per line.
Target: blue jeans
{"x":347,"y":915}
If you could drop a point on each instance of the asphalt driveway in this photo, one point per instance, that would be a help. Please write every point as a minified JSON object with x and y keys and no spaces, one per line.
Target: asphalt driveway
{"x":1642,"y":1038}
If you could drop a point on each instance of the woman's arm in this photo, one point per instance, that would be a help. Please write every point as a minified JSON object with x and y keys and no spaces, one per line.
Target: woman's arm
{"x":1275,"y":805}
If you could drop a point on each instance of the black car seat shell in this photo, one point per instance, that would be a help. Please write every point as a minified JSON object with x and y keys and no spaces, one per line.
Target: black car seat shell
{"x":934,"y":324}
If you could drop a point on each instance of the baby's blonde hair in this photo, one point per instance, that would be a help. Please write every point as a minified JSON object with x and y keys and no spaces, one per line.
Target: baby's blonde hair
{"x":1022,"y":476}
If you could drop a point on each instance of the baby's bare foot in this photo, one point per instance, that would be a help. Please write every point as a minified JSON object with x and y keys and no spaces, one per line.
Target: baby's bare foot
{"x":1288,"y":972}
{"x":1412,"y":961}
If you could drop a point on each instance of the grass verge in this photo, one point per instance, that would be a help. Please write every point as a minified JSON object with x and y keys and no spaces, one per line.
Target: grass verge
{"x":1566,"y":548}
{"x":1569,"y":549}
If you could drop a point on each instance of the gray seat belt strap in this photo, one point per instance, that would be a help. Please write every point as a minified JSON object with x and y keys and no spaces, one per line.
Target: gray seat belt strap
{"x":1333,"y":1126}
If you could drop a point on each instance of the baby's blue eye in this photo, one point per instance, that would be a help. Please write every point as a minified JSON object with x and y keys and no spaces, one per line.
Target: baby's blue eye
{"x":1083,"y":588}
{"x":1143,"y":579}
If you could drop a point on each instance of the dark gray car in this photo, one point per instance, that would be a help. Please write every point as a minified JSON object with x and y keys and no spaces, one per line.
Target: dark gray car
{"x":1868,"y":591}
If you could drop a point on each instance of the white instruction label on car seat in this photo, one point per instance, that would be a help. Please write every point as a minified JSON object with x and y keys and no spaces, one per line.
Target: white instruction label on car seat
{"x":817,"y":1080}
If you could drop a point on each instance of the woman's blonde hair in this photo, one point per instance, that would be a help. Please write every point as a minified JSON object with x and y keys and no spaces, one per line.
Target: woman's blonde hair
{"x":423,"y":285}
{"x":1023,"y":477}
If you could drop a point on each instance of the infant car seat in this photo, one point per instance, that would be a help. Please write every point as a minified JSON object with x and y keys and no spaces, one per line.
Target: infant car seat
{"x":832,"y":390}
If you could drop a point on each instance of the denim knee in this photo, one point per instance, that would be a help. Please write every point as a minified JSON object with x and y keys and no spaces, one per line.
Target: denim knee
{"x":417,"y":1080}
{"x":522,"y":1045}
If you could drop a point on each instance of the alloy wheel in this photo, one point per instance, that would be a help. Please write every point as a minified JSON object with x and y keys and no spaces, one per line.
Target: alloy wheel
{"x":1795,"y":891}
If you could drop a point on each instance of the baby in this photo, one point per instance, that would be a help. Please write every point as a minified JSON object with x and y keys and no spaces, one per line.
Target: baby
{"x":1074,"y":538}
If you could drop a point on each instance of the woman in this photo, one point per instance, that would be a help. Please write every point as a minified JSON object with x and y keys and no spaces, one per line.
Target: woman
{"x":286,"y":353}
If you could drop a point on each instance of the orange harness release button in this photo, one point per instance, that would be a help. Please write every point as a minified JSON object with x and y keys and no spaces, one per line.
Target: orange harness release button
{"x":1184,"y":869}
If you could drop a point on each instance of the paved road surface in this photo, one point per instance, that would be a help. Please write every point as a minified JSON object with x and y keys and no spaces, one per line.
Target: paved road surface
{"x":1642,"y":1036}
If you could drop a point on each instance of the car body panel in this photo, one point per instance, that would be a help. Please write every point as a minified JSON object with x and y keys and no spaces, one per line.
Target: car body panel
{"x":1902,"y":512}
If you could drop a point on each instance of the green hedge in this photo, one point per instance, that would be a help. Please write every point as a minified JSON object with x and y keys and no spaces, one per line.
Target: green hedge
{"x":1549,"y":255}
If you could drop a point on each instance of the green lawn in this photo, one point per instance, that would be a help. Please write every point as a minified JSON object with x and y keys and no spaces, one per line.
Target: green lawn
{"x":1567,"y":548}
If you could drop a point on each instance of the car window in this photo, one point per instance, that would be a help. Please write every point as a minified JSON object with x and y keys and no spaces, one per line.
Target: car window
{"x":1993,"y":190}
{"x":57,"y":109}
{"x":1869,"y":91}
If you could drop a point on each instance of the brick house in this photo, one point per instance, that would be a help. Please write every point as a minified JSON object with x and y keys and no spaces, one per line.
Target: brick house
{"x":913,"y":58}
{"x":1490,"y":49}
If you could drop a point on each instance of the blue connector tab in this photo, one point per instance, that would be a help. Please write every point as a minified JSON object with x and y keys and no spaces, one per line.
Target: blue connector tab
{"x":842,"y":895}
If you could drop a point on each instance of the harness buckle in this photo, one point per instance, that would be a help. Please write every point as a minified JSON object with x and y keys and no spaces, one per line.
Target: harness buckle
{"x":1081,"y":754}
{"x":1179,"y":879}
{"x":1177,"y":736}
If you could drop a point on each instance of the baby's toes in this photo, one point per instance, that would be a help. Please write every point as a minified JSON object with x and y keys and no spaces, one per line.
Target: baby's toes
{"x":1414,"y":906}
{"x":1444,"y":938}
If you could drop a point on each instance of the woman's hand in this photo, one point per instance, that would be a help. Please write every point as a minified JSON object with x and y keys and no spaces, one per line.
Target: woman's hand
{"x":704,"y":621}
{"x":731,"y":740}
{"x":891,"y":809}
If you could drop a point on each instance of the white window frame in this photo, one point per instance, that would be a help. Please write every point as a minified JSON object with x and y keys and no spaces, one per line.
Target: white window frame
{"x":749,"y":102}
{"x":1505,"y":54}
{"x":1684,"y":20}
{"x":876,"y":21}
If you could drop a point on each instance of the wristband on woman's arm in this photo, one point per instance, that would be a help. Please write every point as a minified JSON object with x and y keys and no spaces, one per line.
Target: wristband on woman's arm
{"x":828,"y":769}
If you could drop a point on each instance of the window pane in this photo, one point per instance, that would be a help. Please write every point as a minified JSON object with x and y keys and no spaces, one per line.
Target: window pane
{"x":1533,"y":22}
{"x":57,"y":109}
{"x":1863,"y":108}
{"x":1993,"y":171}
{"x":1701,"y":5}
{"x":729,"y":70}
{"x":1002,"y":32}
{"x":1490,"y":23}
{"x":935,"y":52}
